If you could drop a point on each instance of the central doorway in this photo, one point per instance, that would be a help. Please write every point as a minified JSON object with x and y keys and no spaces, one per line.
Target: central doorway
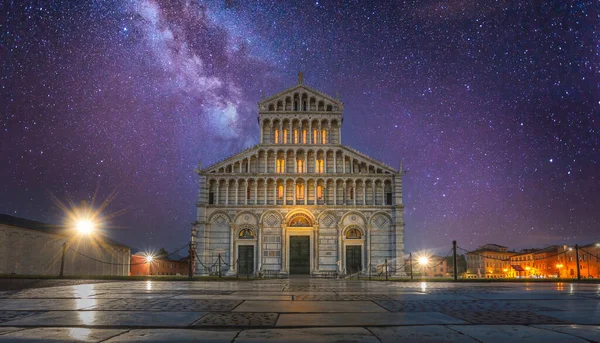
{"x":353,"y":259}
{"x":246,"y":259}
{"x":300,"y":255}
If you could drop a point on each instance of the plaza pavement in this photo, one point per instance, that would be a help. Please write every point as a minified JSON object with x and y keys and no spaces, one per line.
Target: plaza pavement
{"x":300,"y":310}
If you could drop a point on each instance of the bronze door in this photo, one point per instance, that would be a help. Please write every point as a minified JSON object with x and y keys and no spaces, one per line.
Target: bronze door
{"x":246,"y":259}
{"x":299,"y":254}
{"x":353,"y":259}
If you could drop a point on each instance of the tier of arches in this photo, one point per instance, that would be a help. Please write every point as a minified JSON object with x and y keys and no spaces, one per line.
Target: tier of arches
{"x":295,"y":161}
{"x":300,"y":131}
{"x":301,"y":102}
{"x":299,"y":191}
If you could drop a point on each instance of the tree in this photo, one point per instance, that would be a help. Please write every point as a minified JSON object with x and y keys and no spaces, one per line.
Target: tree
{"x":162,"y":254}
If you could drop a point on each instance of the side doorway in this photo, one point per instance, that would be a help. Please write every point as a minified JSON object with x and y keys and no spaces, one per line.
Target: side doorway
{"x":353,"y":259}
{"x":246,"y":259}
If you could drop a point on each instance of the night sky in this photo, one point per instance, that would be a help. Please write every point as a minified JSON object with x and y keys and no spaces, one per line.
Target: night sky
{"x":492,"y":106}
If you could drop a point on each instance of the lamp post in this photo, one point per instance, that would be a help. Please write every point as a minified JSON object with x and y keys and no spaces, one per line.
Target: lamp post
{"x":423,"y":261}
{"x":149,"y":259}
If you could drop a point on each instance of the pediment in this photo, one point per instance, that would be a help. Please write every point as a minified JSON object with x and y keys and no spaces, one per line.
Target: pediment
{"x":315,"y":100}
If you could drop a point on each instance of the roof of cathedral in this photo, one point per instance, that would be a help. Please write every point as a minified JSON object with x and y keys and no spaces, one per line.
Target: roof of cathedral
{"x":297,"y":87}
{"x":276,"y":147}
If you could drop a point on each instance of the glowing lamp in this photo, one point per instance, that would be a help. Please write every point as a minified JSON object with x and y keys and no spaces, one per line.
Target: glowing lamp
{"x":423,"y":260}
{"x":84,"y":226}
{"x":149,"y":258}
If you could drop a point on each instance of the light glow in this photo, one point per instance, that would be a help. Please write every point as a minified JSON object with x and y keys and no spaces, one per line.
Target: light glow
{"x":423,"y":260}
{"x":85,"y":226}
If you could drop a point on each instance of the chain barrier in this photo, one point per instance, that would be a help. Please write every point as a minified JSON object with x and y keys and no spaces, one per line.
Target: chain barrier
{"x":442,"y":260}
{"x":122,"y":264}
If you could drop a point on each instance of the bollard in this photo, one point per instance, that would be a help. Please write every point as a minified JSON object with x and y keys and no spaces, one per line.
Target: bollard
{"x":386,"y":270}
{"x":62,"y":260}
{"x":454,"y":261}
{"x":577,"y":258}
{"x":410,"y":261}
{"x":219,"y":261}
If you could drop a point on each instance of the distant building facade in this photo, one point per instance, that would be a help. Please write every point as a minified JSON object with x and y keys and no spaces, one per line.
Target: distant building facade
{"x":29,"y":247}
{"x":299,"y":202}
{"x":489,"y":261}
{"x":141,"y":267}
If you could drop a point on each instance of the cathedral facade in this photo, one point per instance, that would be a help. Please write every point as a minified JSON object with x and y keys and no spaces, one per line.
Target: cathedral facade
{"x":299,"y":202}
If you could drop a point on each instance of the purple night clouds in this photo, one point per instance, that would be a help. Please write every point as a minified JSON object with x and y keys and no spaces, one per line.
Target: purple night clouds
{"x":493,"y":107}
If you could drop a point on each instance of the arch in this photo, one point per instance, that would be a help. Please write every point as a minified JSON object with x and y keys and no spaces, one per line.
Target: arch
{"x":300,"y":220}
{"x":299,"y":211}
{"x":243,"y":220}
{"x":354,"y":232}
{"x":349,"y":213}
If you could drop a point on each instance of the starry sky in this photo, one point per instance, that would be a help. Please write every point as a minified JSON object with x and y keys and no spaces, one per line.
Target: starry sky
{"x":492,"y":106}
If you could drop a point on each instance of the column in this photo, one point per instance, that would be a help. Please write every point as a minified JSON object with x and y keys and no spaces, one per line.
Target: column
{"x":275,"y":192}
{"x":285,"y":192}
{"x":246,"y":187}
{"x":266,"y":183}
{"x":237,"y":192}
{"x":315,"y":191}
{"x":316,"y":247}
{"x":266,"y":162}
{"x":305,"y":192}
{"x":335,"y":162}
{"x":261,"y":131}
{"x":340,"y":256}
{"x":259,"y":247}
{"x":217,"y":192}
{"x":343,"y":163}
{"x":227,"y":193}
{"x":255,"y":192}
{"x":231,"y":249}
{"x":368,"y":248}
{"x":283,"y":248}
{"x":354,"y":191}
{"x":295,"y":188}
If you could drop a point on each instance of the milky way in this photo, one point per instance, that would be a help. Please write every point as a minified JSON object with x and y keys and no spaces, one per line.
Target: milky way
{"x":492,"y":106}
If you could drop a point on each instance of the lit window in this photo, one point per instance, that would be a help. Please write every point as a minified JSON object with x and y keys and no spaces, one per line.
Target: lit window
{"x":280,"y":192}
{"x":295,"y":136}
{"x":320,"y":166}
{"x":315,"y":136}
{"x":276,"y":136}
{"x":285,"y":134}
{"x":300,"y":192}
{"x":281,"y":166}
{"x":320,"y":192}
{"x":300,"y":166}
{"x":303,"y":136}
{"x":324,"y":137}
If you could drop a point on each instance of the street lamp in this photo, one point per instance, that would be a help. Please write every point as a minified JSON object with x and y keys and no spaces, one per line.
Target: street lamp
{"x":423,"y":261}
{"x":85,"y":226}
{"x":149,"y":259}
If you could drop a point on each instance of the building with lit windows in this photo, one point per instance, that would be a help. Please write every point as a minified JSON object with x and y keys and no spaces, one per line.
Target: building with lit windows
{"x":299,"y":202}
{"x":489,"y":261}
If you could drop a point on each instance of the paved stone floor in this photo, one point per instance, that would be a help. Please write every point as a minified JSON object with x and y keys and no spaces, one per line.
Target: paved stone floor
{"x":300,"y":310}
